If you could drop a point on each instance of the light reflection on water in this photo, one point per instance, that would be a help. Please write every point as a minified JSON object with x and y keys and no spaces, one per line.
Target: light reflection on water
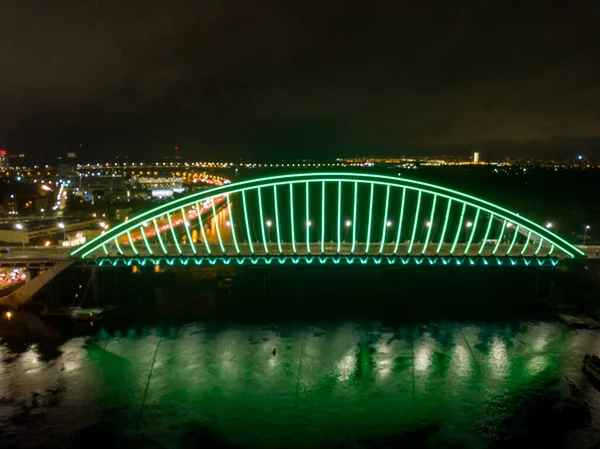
{"x":325,"y":384}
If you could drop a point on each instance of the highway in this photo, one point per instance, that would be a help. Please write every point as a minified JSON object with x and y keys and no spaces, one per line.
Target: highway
{"x":330,"y":248}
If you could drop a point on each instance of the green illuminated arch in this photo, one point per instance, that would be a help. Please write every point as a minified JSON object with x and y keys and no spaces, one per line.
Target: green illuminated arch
{"x":329,"y":213}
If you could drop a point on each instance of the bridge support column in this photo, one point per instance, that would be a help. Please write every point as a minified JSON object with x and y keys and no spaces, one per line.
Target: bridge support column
{"x":266,"y":282}
{"x":95,"y":285}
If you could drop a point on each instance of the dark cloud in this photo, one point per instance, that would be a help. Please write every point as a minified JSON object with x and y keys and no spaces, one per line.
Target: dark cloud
{"x":267,"y":78}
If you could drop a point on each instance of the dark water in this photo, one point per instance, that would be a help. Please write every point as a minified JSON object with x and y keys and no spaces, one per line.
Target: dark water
{"x":500,"y":381}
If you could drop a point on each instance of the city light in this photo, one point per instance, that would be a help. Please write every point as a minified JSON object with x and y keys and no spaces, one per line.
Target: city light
{"x":103,"y":224}
{"x":19,"y":226}
{"x":388,"y":223}
{"x":309,"y":223}
{"x":509,"y":225}
{"x":269,"y":223}
{"x":428,"y":224}
{"x":549,"y":225}
{"x":348,"y":223}
{"x":228,"y":223}
{"x":469,"y":224}
{"x":61,"y":225}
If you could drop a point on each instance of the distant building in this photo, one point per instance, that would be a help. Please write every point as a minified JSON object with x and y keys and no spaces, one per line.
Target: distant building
{"x":3,"y":160}
{"x":476,"y":158}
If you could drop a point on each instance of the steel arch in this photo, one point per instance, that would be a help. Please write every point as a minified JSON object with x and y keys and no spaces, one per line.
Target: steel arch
{"x":400,"y":217}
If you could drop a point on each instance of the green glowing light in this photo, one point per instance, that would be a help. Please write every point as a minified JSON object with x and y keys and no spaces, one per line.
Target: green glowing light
{"x":162,"y":245}
{"x":244,"y":206}
{"x":458,"y":228}
{"x":145,"y":240}
{"x":292,"y":217}
{"x":539,"y":247}
{"x":277,"y":219}
{"x":118,"y":246}
{"x":514,"y":240}
{"x":354,"y":218}
{"x":307,"y":224}
{"x":430,"y":227}
{"x":235,"y":242}
{"x":370,"y":220}
{"x":526,"y":243}
{"x":187,"y":229}
{"x":444,"y":226}
{"x":217,"y":225}
{"x":485,"y":206}
{"x":385,"y":218}
{"x":262,"y":221}
{"x":339,"y":217}
{"x":499,"y":238}
{"x":104,"y":249}
{"x":551,"y":250}
{"x":323,"y":217}
{"x":487,"y":233}
{"x":415,"y":223}
{"x":368,"y":260}
{"x":174,"y":234}
{"x":474,"y":226}
{"x":131,"y":243}
{"x":201,"y":224}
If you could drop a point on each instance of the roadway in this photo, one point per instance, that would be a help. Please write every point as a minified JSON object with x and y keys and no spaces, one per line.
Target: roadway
{"x":331,"y":248}
{"x":59,"y":253}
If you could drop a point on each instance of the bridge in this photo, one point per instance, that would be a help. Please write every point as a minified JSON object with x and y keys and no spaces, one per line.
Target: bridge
{"x":337,"y":218}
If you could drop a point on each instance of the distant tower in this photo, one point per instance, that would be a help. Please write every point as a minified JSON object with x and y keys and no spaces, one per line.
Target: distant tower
{"x":476,"y":158}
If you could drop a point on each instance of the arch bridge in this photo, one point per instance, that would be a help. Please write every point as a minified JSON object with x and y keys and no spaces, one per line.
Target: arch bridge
{"x":337,"y":218}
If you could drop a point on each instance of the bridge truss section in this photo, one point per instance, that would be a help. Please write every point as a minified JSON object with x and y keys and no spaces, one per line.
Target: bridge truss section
{"x":330,"y":215}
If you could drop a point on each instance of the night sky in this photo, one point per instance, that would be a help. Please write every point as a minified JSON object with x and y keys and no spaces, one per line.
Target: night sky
{"x":261,"y":79}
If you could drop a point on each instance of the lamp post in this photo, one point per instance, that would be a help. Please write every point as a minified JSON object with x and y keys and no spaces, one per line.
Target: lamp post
{"x":347,"y":225}
{"x":585,"y":232}
{"x":19,"y":226}
{"x":62,"y":226}
{"x":269,"y":223}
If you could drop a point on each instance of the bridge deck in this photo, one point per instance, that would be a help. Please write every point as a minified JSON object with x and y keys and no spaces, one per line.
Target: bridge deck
{"x":329,"y":248}
{"x":23,"y":294}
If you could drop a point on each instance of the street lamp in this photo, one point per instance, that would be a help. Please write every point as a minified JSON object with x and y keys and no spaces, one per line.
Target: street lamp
{"x":469,"y":224}
{"x":62,"y":226}
{"x":585,"y":234}
{"x":228,"y":223}
{"x":347,"y":224}
{"x":428,"y":224}
{"x":19,"y":226}
{"x":549,"y":225}
{"x":388,"y":223}
{"x":309,"y":223}
{"x":269,"y":223}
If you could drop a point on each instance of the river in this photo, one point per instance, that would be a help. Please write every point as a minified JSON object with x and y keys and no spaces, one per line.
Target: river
{"x":354,"y":384}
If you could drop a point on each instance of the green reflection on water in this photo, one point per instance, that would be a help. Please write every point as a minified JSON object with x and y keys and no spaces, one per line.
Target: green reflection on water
{"x":329,"y":384}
